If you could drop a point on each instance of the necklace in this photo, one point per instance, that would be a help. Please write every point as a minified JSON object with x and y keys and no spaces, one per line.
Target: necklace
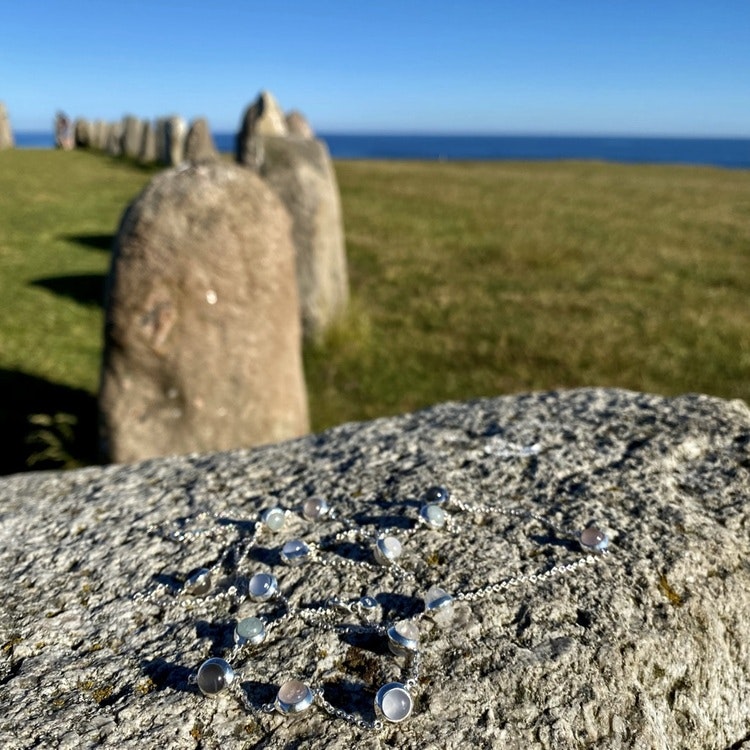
{"x":377,"y":549}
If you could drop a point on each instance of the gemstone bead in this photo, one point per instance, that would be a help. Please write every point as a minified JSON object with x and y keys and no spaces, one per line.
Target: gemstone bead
{"x":294,"y":552}
{"x":393,"y":702}
{"x":263,"y":586}
{"x":249,"y":630}
{"x":273,"y":518}
{"x":433,"y":515}
{"x":198,"y":583}
{"x":403,"y":638}
{"x":293,"y":696}
{"x":387,"y":550}
{"x":315,"y":508}
{"x":438,"y":604}
{"x":593,"y":539}
{"x":214,"y":675}
{"x":437,"y":495}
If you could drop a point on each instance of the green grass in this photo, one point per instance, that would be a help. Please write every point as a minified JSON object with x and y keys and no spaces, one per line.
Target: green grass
{"x":467,"y":280}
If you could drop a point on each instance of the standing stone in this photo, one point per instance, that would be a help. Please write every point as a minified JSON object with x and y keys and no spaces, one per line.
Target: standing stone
{"x":6,"y":132}
{"x":147,"y":151}
{"x":114,"y":139}
{"x":262,"y":117}
{"x":162,"y":153}
{"x":301,"y":172}
{"x":82,"y":133}
{"x":176,"y":130}
{"x":199,"y":144}
{"x":63,"y":132}
{"x":99,"y":135}
{"x":132,"y":136}
{"x":297,"y":124}
{"x":202,"y":336}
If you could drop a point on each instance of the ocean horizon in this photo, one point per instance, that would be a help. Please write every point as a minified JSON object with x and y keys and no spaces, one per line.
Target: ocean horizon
{"x":730,"y":153}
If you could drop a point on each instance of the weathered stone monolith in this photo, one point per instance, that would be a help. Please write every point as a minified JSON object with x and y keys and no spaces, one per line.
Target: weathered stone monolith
{"x":297,"y":124}
{"x":301,"y":172}
{"x":199,"y":144}
{"x":263,"y":117}
{"x":99,"y":132}
{"x":202,"y":340}
{"x":6,"y":132}
{"x":132,"y":136}
{"x":176,"y":131}
{"x":114,"y":139}
{"x":82,"y":133}
{"x":642,"y":648}
{"x":147,"y":151}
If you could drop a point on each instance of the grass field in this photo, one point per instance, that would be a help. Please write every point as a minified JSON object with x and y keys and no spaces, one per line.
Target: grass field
{"x":467,"y":280}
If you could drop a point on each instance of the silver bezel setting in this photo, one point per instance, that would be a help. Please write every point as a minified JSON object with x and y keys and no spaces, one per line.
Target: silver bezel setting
{"x":298,"y":706}
{"x":381,"y":696}
{"x":294,"y":555}
{"x":226,"y":671}
{"x":386,"y":556}
{"x":399,"y":644}
{"x":198,"y":583}
{"x":600,"y":546}
{"x":269,"y":593}
{"x":254,"y":640}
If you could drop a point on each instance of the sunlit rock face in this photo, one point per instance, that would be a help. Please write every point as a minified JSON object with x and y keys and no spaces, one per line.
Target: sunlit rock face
{"x":113,"y":635}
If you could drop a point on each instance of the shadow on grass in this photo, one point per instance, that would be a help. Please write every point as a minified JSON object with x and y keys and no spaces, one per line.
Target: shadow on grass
{"x":45,"y":425}
{"x":86,"y":288}
{"x":94,"y":241}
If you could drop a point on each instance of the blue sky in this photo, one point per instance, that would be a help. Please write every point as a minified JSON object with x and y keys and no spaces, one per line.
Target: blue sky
{"x":653,"y":67}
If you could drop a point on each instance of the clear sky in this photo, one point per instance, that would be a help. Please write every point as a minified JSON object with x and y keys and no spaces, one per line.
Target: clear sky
{"x":646,"y":67}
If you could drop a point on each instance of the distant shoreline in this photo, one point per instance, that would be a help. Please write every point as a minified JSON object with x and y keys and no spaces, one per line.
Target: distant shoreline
{"x":732,"y":153}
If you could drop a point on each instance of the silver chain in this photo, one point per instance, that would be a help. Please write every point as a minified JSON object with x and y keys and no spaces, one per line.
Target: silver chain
{"x":359,"y":616}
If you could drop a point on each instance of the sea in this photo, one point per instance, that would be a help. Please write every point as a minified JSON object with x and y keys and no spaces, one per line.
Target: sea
{"x":731,"y":153}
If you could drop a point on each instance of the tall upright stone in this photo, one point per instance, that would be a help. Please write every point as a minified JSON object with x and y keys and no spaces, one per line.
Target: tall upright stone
{"x":160,"y":128}
{"x":99,"y":130}
{"x":6,"y":132}
{"x":263,"y":117}
{"x":176,"y":133}
{"x":301,"y":172}
{"x":132,"y":136}
{"x":114,"y":139}
{"x":147,"y":151}
{"x":199,"y":144}
{"x":82,"y":133}
{"x":202,"y":336}
{"x":297,"y":124}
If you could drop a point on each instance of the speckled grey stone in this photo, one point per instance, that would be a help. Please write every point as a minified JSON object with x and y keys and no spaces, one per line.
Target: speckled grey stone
{"x":647,"y":647}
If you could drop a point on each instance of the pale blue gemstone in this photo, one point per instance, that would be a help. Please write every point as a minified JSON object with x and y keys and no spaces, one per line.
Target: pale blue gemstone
{"x":249,"y":630}
{"x":274,"y":518}
{"x":263,"y":586}
{"x":433,"y":515}
{"x":294,"y":552}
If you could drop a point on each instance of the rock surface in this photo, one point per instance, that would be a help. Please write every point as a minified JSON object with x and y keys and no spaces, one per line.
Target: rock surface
{"x":300,"y":171}
{"x":646,"y":647}
{"x":6,"y":132}
{"x":202,"y":335}
{"x":199,"y":144}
